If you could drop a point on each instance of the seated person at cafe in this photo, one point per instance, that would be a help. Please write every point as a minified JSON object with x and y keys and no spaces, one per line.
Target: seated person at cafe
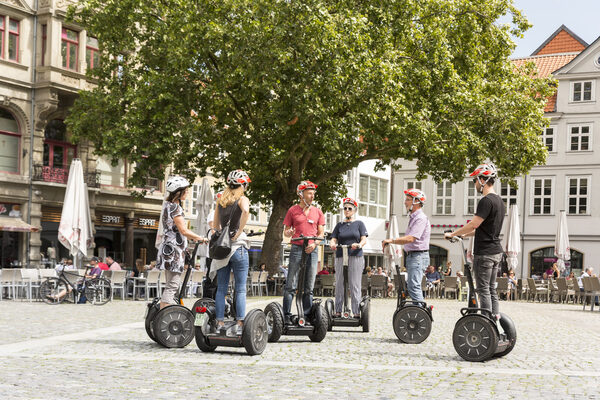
{"x":112,"y":264}
{"x":102,"y":266}
{"x":433,"y":277}
{"x":390,"y":285}
{"x":324,"y":271}
{"x":369,"y":272}
{"x":284,"y":270}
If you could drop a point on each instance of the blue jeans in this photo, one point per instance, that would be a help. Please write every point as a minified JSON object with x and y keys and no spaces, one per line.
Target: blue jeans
{"x":416,"y":263}
{"x":239,"y":264}
{"x":291,"y":282}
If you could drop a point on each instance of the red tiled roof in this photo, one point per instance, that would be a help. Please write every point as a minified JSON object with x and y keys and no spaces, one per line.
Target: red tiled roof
{"x":562,"y":42}
{"x":545,"y":66}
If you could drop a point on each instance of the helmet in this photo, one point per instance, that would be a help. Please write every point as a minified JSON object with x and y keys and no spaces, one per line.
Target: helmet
{"x":176,"y":182}
{"x":238,"y":177}
{"x":350,"y":200}
{"x":485,"y":170}
{"x":416,"y":194}
{"x":304,"y":185}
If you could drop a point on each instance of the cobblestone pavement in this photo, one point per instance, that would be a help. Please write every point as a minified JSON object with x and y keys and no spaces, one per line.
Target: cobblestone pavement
{"x":91,"y":352}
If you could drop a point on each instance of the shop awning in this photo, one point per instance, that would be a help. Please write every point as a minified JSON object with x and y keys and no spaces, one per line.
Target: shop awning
{"x":13,"y":224}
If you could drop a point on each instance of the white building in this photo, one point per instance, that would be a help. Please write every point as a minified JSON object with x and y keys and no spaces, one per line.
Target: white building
{"x":566,"y":182}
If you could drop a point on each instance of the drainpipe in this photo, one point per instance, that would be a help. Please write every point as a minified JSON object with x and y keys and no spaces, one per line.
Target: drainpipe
{"x":32,"y":130}
{"x":523,"y":258}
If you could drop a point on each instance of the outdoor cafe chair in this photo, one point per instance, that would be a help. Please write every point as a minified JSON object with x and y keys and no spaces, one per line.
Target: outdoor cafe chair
{"x":118,"y":283}
{"x":262,"y":283}
{"x":451,"y":286}
{"x":195,"y":282}
{"x":7,"y":277}
{"x":378,"y":285}
{"x":254,"y":284}
{"x":318,"y":288}
{"x":151,"y":281}
{"x":591,"y":289}
{"x":29,"y":281}
{"x":328,"y":284}
{"x":365,"y":285}
{"x":564,"y":291}
{"x":536,"y":291}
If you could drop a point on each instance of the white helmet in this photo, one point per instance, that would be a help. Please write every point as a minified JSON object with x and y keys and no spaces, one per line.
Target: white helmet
{"x":485,"y":170}
{"x":238,"y":177}
{"x":176,"y":182}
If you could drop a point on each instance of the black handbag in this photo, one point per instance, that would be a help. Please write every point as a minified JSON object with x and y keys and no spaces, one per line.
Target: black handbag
{"x":220,"y":242}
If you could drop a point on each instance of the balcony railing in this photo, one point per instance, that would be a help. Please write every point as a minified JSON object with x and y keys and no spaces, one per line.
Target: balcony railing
{"x":61,"y":175}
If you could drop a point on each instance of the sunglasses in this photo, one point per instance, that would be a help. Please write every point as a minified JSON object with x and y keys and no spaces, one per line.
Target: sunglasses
{"x":348,"y":208}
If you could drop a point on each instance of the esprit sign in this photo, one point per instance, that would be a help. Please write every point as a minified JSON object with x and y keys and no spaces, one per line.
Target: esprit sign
{"x":147,"y":222}
{"x":111,"y":219}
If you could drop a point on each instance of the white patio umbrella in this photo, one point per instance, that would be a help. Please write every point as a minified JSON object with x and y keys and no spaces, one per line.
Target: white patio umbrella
{"x":203,"y":205}
{"x":75,"y":229}
{"x":562,"y":249}
{"x":393,"y":252}
{"x":513,"y":239}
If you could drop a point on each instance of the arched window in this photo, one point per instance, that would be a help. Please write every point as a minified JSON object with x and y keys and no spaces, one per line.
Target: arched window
{"x":438,"y":256}
{"x":10,"y":142}
{"x":58,"y":152}
{"x":542,"y":259}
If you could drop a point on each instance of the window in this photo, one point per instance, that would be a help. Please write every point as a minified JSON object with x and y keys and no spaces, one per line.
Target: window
{"x":13,"y":39}
{"x":471,"y":197}
{"x":350,"y":177}
{"x":69,"y":48}
{"x":329,"y":222}
{"x":582,"y":91}
{"x":10,"y":142}
{"x":372,"y":197}
{"x":548,"y":138}
{"x":578,"y":195}
{"x":92,"y":56}
{"x":255,"y":213}
{"x":195,"y":192}
{"x":580,"y":137}
{"x":44,"y":42}
{"x":58,"y":152}
{"x":443,"y":199}
{"x":111,"y":175}
{"x":410,"y":184}
{"x":508,"y":194}
{"x":542,"y":196}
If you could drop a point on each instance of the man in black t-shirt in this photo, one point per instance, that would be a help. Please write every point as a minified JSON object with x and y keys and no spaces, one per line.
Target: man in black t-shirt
{"x":486,"y":224}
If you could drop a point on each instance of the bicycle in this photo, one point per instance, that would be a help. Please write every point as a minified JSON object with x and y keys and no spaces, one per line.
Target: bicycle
{"x":96,"y":290}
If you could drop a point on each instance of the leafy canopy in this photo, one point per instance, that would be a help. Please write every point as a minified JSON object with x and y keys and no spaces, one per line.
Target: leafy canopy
{"x":292,"y":90}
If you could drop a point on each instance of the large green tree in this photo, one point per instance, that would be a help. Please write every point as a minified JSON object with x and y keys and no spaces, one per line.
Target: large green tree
{"x":292,"y":90}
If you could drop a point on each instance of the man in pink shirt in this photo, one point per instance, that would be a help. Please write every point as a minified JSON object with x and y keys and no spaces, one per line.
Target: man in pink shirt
{"x":112,"y":264}
{"x":306,"y":220}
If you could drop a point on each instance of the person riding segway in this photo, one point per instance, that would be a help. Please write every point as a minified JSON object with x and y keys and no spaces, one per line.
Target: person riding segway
{"x":172,"y":242}
{"x":214,"y":325}
{"x":487,"y":251}
{"x":347,"y":240}
{"x":305,"y":224}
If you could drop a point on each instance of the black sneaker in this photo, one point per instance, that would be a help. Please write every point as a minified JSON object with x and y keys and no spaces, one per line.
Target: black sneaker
{"x":287,"y":320}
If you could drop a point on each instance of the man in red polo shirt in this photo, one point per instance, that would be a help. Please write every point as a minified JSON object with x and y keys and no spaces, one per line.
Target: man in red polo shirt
{"x":306,"y":220}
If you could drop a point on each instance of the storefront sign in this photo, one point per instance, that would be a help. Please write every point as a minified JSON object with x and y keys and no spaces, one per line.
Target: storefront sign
{"x":146,"y":222}
{"x":109,"y":219}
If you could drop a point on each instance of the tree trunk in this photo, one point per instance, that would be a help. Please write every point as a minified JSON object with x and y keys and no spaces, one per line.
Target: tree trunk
{"x":271,"y":250}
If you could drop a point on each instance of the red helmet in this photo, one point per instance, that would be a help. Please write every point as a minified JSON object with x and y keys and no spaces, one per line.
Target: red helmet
{"x":350,"y":200}
{"x":485,"y":170}
{"x":304,"y":185}
{"x":416,"y":194}
{"x":238,"y":177}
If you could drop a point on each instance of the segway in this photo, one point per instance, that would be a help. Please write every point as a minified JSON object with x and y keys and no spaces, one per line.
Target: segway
{"x":173,"y":325}
{"x":346,"y":318}
{"x":315,"y":327}
{"x":254,"y":333}
{"x":412,"y":320}
{"x":476,"y":336}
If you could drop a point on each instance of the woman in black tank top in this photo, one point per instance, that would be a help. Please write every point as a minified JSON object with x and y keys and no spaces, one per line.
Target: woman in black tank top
{"x":233,"y":208}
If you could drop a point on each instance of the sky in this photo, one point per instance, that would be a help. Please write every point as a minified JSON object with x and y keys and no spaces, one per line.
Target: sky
{"x":546,"y":16}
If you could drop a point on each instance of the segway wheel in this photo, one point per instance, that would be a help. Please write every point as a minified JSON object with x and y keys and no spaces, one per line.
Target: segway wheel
{"x":411,"y":324}
{"x":475,"y":338}
{"x":329,"y":308}
{"x":201,"y":340}
{"x":254,"y":334}
{"x":274,"y":316}
{"x":508,"y":326}
{"x":173,"y":326}
{"x":319,"y":320}
{"x":364,"y":315}
{"x":152,"y":310}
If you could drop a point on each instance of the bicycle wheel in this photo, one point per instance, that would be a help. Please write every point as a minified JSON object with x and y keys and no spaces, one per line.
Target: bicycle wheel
{"x":53,"y":291}
{"x":98,"y":291}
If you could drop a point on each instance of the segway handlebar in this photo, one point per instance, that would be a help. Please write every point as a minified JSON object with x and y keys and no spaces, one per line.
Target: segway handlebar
{"x":252,"y":233}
